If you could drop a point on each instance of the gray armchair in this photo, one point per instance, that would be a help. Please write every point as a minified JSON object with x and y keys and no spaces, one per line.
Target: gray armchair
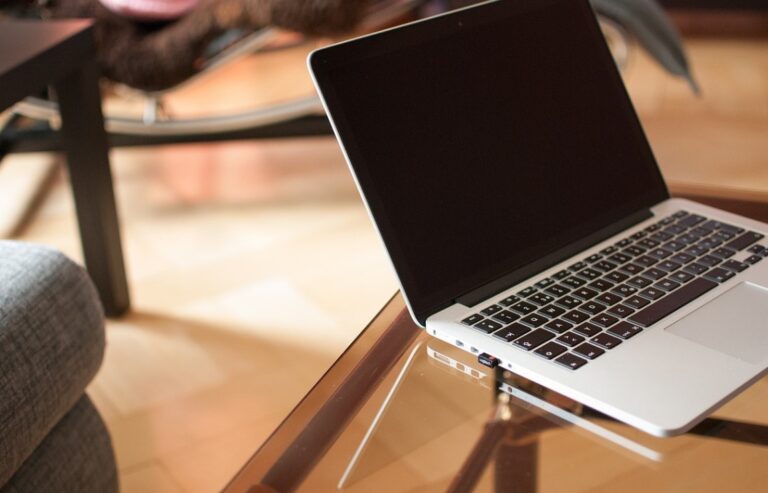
{"x":52,"y":438}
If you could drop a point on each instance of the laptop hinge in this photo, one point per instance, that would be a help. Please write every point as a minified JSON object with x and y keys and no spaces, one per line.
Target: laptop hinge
{"x":493,"y":288}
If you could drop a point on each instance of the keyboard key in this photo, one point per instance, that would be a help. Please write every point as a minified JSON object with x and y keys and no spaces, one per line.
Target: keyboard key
{"x":616,"y":277}
{"x":571,"y":339}
{"x":624,"y":290}
{"x":652,"y":228}
{"x":472,"y":319}
{"x":552,"y":311}
{"x":527,"y":292}
{"x":688,"y":239}
{"x":557,"y":290}
{"x":488,"y":326}
{"x":652,"y":293}
{"x":560,"y":275}
{"x":606,"y":341}
{"x":634,"y":250}
{"x":544,"y":283}
{"x":667,"y":285}
{"x":654,"y":274}
{"x":551,"y":350}
{"x":534,"y":320}
{"x":719,"y":275}
{"x":523,"y":307}
{"x":676,"y":299}
{"x":512,"y":332}
{"x":659,"y":253}
{"x":723,"y":252}
{"x":534,"y":339}
{"x":734,"y":265}
{"x":632,"y":269}
{"x":588,"y":329}
{"x":636,"y":302}
{"x":691,"y":220}
{"x":756,"y":249}
{"x":668,"y":266}
{"x":620,"y":311}
{"x":592,"y":308}
{"x":506,"y":317}
{"x":709,"y":243}
{"x":568,"y":302}
{"x":638,"y":235}
{"x":640,"y":282}
{"x":509,"y":300}
{"x":667,"y":220}
{"x":619,"y":258}
{"x":576,"y":317}
{"x":589,"y":273}
{"x":604,"y":320}
{"x":674,"y":229}
{"x":594,"y":258}
{"x":623,"y":243}
{"x":695,"y":269}
{"x":604,"y":266}
{"x":491,"y":310}
{"x":600,"y":285}
{"x":571,"y":361}
{"x":577,"y":266}
{"x":648,"y":243}
{"x":743,"y":241}
{"x":700,"y":231}
{"x":734,"y":230}
{"x":661,"y":236}
{"x":625,"y":330}
{"x":608,"y":299}
{"x":711,"y":225}
{"x":723,"y":236}
{"x":588,"y":351}
{"x":584,"y":293}
{"x":541,"y":299}
{"x":681,"y":277}
{"x":682,"y":258}
{"x":645,"y":261}
{"x":753,"y":259}
{"x":574,"y":282}
{"x":609,"y":250}
{"x":709,"y":260}
{"x":558,"y":326}
{"x":674,"y":245}
{"x":696,"y":250}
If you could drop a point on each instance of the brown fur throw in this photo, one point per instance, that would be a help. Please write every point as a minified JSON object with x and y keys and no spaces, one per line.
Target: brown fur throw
{"x":155,"y":56}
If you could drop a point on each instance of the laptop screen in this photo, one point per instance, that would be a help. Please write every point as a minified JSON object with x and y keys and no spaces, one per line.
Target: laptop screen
{"x":486,"y":139}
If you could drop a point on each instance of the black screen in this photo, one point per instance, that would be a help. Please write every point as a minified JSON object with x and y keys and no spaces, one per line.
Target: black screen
{"x":485,"y":139}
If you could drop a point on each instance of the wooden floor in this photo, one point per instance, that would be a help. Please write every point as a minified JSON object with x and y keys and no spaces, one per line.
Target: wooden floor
{"x":253,"y":265}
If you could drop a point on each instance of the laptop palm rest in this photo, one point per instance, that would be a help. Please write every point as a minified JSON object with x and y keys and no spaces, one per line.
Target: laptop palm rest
{"x":734,"y":323}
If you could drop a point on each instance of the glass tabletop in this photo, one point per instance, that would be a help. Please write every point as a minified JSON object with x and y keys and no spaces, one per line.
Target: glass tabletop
{"x":401,"y":411}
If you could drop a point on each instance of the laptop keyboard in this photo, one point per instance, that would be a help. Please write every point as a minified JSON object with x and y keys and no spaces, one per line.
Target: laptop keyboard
{"x":579,"y":313}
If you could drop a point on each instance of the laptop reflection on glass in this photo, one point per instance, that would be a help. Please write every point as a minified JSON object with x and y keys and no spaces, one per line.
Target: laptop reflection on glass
{"x":506,"y":171}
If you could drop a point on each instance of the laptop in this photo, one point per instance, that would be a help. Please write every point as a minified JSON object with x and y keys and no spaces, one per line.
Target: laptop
{"x":506,"y":171}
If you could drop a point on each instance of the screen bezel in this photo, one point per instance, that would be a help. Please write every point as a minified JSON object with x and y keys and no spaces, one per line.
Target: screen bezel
{"x":322,"y":61}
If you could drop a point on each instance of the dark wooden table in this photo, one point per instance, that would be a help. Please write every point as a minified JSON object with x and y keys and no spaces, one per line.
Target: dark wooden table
{"x":61,"y":54}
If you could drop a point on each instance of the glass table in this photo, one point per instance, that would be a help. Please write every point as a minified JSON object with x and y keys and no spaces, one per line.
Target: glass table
{"x":401,"y":411}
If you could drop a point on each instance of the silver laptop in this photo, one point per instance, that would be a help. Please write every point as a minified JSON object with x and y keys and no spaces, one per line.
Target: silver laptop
{"x":507,"y":173}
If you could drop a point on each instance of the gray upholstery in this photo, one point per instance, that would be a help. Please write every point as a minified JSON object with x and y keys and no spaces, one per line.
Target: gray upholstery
{"x":76,"y":456}
{"x":51,"y":345}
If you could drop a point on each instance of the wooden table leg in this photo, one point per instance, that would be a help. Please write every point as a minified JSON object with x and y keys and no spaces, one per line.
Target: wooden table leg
{"x":86,"y":147}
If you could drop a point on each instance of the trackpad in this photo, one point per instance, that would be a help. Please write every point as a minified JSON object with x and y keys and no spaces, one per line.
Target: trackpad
{"x":734,"y":323}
